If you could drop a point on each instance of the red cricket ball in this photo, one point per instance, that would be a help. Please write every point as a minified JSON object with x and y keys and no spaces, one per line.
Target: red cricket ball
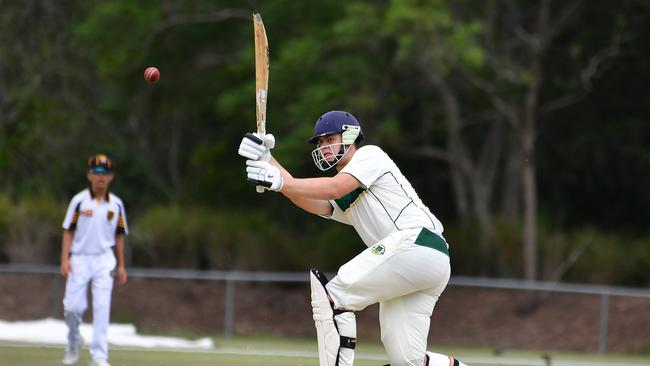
{"x":151,"y":74}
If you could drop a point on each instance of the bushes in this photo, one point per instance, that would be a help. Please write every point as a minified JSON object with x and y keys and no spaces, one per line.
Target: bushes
{"x":202,"y":238}
{"x":30,"y":229}
{"x":196,"y":237}
{"x":611,"y":259}
{"x":185,"y":237}
{"x":584,"y":254}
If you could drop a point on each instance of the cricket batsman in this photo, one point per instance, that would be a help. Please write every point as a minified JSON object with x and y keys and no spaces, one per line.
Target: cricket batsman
{"x":406,"y":265}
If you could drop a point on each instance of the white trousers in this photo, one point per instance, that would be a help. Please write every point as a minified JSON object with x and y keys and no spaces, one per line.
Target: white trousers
{"x":406,"y":279}
{"x":95,"y":269}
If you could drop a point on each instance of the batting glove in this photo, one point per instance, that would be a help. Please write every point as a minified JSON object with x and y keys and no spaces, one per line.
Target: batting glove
{"x":254,"y":146}
{"x":262,"y":173}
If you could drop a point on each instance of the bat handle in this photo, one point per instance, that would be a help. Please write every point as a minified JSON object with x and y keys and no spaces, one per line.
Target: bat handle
{"x":261,"y":131}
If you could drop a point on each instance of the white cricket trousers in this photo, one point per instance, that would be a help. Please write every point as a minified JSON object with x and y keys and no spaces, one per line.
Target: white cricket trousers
{"x":406,"y":279}
{"x":95,"y":269}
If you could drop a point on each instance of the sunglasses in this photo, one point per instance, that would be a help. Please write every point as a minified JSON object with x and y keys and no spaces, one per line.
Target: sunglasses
{"x":100,"y":171}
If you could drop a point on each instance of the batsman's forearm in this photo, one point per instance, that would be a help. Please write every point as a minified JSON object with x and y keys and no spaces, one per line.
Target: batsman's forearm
{"x":314,"y":206}
{"x":311,"y":188}
{"x":317,"y":207}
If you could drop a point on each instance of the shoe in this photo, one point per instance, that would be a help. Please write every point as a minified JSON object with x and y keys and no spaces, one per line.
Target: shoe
{"x":99,"y":362}
{"x":71,"y":355}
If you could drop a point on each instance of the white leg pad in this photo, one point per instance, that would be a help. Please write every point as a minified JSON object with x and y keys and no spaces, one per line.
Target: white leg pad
{"x":329,"y":340}
{"x":330,"y":350}
{"x":347,"y":325}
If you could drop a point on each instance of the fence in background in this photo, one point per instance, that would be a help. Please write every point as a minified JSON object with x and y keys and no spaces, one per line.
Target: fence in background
{"x":232,"y":277}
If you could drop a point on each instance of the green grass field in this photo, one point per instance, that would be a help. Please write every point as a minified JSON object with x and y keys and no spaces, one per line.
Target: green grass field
{"x":245,"y":351}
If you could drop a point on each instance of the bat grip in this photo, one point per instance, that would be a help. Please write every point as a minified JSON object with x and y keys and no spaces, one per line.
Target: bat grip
{"x":261,"y":132}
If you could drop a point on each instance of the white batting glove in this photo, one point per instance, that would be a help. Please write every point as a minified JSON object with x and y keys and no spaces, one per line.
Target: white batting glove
{"x":264,"y":174}
{"x":254,"y":146}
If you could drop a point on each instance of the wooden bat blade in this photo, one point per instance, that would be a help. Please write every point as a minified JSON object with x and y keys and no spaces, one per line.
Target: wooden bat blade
{"x":261,"y":72}
{"x":261,"y":76}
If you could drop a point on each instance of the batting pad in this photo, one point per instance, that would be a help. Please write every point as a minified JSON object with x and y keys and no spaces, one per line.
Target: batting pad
{"x":330,"y":350}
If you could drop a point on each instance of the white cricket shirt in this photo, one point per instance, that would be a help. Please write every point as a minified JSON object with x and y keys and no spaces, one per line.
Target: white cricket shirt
{"x":95,"y":221}
{"x":386,"y":202}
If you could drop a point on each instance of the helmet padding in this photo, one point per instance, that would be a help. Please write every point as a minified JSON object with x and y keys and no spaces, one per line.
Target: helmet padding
{"x":336,"y":122}
{"x":350,"y":134}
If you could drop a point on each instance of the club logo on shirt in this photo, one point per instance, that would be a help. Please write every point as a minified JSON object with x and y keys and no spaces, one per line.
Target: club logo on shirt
{"x":378,"y":249}
{"x":110,"y":215}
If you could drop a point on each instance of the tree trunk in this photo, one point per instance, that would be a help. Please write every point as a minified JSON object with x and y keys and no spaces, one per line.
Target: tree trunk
{"x":511,"y":193}
{"x":529,"y":190}
{"x":529,"y":186}
{"x":486,"y":227}
{"x":465,"y":171}
{"x":460,"y":193}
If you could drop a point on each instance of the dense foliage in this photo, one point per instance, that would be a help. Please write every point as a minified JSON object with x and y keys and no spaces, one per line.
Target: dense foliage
{"x":470,"y":98}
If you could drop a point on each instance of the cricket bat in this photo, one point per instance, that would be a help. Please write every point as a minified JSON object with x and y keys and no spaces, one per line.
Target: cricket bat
{"x":261,"y":76}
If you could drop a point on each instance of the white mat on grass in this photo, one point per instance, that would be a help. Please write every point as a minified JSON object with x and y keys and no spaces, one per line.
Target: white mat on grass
{"x":54,"y":331}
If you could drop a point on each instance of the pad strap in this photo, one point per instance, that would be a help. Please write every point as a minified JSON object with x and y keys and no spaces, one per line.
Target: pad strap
{"x":347,"y":342}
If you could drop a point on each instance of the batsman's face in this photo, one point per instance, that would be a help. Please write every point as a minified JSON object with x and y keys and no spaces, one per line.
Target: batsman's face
{"x":329,"y":146}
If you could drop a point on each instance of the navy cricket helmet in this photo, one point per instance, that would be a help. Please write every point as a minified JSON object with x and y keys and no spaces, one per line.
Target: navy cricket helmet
{"x":337,"y":122}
